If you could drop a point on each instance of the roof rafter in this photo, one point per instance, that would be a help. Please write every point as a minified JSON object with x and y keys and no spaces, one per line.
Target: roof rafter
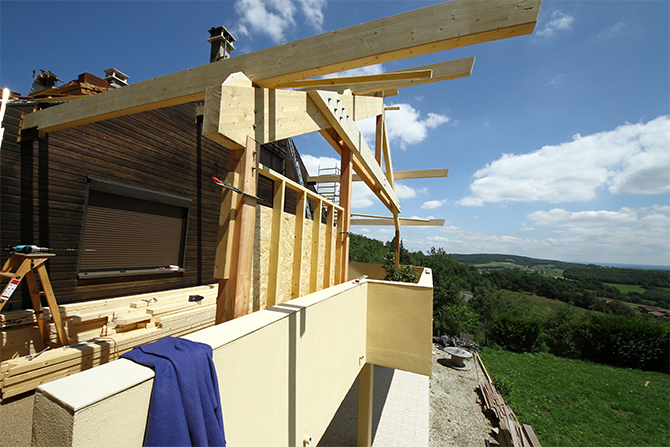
{"x":444,"y":26}
{"x":442,"y":71}
{"x":397,"y":175}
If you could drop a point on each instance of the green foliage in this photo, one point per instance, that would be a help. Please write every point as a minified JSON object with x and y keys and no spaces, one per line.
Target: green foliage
{"x":577,"y":403}
{"x":559,"y":333}
{"x":517,"y":333}
{"x":404,"y":273}
{"x":644,"y":278}
{"x":624,"y":341}
{"x":364,"y":249}
{"x":479,"y":259}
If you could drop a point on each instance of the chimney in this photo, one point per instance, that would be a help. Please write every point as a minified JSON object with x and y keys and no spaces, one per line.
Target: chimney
{"x":116,"y":78}
{"x":222,"y":43}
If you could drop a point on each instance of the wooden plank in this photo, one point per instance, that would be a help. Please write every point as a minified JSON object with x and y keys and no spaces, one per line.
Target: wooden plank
{"x":405,"y":75}
{"x":233,"y":112}
{"x":530,"y":435}
{"x":296,"y":284}
{"x":397,"y":175}
{"x":276,"y":253}
{"x":403,"y":221}
{"x":316,"y":247}
{"x":440,"y":27}
{"x":340,"y":118}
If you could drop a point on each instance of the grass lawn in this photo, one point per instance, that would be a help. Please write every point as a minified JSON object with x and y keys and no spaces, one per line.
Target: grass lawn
{"x":577,"y":403}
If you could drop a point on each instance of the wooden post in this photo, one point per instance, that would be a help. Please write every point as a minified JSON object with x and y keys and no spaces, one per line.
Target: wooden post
{"x":345,"y":202}
{"x":328,"y":262}
{"x":365,"y":394}
{"x":296,"y":289}
{"x":275,"y":244}
{"x":238,"y":225}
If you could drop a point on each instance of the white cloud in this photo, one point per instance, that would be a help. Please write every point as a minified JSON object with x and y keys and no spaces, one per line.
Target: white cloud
{"x":629,"y":243}
{"x":632,"y":159}
{"x":405,"y":126}
{"x":559,"y":217}
{"x":407,"y":192}
{"x":361,"y":71}
{"x":432,"y":204}
{"x":361,"y":196}
{"x":559,"y":21}
{"x":612,"y":31}
{"x":313,"y":11}
{"x":312,"y":163}
{"x":273,"y":18}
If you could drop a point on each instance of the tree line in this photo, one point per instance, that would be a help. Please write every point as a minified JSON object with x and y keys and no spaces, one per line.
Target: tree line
{"x":492,"y":306}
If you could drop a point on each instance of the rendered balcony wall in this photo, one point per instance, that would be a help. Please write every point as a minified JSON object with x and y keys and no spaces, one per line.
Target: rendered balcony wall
{"x":283,"y":371}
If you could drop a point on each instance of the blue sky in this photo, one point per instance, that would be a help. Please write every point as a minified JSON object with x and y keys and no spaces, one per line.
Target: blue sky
{"x":558,"y":145}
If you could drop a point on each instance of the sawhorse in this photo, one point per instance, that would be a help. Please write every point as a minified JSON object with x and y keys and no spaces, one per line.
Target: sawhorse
{"x":20,"y":266}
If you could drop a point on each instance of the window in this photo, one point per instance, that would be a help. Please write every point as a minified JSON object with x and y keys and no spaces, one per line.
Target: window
{"x":132,"y":231}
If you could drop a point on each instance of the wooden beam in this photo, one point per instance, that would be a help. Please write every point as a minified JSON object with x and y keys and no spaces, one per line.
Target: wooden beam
{"x":342,"y":122}
{"x":398,"y":76}
{"x":442,"y":71}
{"x":402,"y":221}
{"x":397,"y":175}
{"x":440,"y":27}
{"x":235,"y":290}
{"x":234,"y":111}
{"x":344,"y":219}
{"x":336,"y":142}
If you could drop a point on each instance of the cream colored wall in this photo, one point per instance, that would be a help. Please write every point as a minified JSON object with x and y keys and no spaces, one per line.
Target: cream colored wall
{"x":282,"y":372}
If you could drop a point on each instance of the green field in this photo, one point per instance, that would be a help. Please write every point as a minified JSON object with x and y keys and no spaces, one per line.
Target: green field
{"x":572,"y":402}
{"x":546,"y":306}
{"x":546,"y":270}
{"x":625,"y":288}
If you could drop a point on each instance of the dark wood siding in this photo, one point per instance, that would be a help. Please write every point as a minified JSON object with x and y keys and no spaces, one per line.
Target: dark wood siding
{"x":44,"y":191}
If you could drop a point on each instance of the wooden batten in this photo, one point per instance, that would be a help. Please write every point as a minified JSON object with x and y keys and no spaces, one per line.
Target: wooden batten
{"x":296,"y":290}
{"x":316,"y":247}
{"x":276,"y":253}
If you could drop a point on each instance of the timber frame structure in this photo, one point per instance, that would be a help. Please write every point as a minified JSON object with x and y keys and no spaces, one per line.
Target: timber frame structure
{"x":245,"y":101}
{"x":273,"y":94}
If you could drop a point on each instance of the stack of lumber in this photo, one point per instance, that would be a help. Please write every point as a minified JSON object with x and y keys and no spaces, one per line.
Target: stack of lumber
{"x":510,"y":432}
{"x":99,"y":331}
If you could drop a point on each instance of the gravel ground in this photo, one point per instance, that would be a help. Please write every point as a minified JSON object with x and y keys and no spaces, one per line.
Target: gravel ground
{"x":456,"y":417}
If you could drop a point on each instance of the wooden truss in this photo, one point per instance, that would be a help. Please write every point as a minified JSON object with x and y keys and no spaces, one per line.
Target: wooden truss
{"x":247,"y":104}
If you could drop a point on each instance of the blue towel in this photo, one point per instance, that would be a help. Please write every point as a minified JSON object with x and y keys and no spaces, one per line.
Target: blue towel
{"x":185,"y":407}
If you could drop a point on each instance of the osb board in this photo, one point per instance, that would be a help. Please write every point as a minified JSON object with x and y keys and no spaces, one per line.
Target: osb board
{"x":261,"y":262}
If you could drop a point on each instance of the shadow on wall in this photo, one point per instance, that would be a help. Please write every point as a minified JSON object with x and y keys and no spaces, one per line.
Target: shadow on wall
{"x":342,"y":430}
